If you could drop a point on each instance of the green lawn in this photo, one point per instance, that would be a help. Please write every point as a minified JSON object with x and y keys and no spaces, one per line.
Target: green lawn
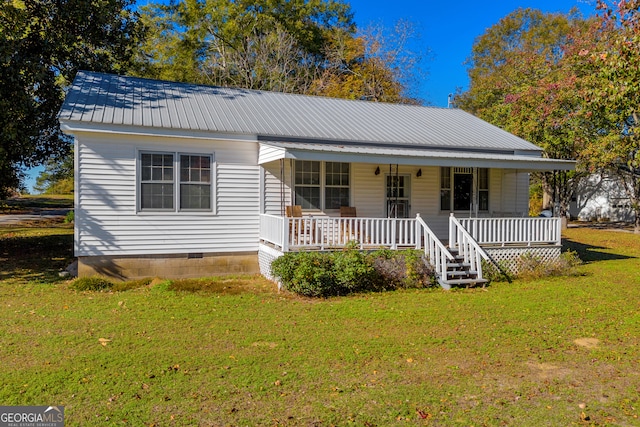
{"x":34,"y":202}
{"x":557,"y":352}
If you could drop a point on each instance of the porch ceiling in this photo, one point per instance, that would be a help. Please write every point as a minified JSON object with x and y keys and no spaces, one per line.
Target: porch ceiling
{"x":407,"y":156}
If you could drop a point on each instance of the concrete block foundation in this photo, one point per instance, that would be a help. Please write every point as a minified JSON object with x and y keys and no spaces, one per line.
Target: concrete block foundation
{"x":168,"y":266}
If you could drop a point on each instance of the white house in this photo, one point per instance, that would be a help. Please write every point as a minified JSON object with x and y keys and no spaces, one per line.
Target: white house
{"x":602,"y":197}
{"x":177,"y":180}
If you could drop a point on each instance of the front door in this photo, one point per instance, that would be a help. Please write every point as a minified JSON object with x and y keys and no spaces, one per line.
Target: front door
{"x":462,"y":190}
{"x":397,"y":199}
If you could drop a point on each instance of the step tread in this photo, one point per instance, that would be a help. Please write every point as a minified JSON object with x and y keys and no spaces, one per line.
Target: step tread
{"x":462,"y":273}
{"x":465,"y":281}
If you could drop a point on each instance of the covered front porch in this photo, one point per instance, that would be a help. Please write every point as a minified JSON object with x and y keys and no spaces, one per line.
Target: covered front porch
{"x":457,"y":260}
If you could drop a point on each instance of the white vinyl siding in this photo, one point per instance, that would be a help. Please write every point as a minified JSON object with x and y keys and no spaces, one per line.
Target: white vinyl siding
{"x":107,"y":220}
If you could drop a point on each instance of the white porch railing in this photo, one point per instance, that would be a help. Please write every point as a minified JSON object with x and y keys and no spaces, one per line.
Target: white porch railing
{"x":468,"y":248}
{"x":331,"y":232}
{"x":437,"y":253}
{"x":510,"y":231}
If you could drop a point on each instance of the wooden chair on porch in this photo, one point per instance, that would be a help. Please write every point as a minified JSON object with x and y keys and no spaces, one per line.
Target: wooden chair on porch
{"x":350,"y":229}
{"x":298,"y":228}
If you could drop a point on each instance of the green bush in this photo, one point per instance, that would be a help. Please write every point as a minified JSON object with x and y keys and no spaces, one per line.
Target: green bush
{"x":306,"y":273}
{"x":353,"y":272}
{"x":93,"y":283}
{"x":70,"y":217}
{"x":318,"y":274}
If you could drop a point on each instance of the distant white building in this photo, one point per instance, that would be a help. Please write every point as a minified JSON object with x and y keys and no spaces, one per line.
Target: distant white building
{"x":601,"y":197}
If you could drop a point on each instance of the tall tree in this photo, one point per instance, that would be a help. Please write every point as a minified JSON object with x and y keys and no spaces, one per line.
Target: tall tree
{"x":376,"y":65}
{"x":609,"y":64}
{"x":264,"y":44}
{"x":43,"y":43}
{"x":520,"y":82}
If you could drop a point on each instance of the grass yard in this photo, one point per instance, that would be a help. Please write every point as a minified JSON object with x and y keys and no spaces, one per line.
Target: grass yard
{"x":557,"y":352}
{"x":30,"y":203}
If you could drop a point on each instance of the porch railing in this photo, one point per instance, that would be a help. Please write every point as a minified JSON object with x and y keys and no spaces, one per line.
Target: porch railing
{"x":331,"y":232}
{"x":467,"y":246}
{"x":437,"y":253}
{"x":511,"y":231}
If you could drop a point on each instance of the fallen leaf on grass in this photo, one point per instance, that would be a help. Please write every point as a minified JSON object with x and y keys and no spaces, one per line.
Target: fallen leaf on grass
{"x":104,"y":341}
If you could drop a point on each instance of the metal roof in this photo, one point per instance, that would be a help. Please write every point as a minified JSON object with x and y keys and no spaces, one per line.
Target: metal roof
{"x":106,"y":99}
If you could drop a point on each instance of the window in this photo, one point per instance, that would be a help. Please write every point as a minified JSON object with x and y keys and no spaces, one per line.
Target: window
{"x":457,"y":188}
{"x":195,"y":182}
{"x":156,"y":187}
{"x":158,"y":190}
{"x":321,"y":185}
{"x":307,"y":184}
{"x":336,"y":193}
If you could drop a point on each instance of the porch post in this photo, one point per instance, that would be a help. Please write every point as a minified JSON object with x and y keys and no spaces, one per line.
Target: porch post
{"x":285,"y":234}
{"x":418,"y":232}
{"x":452,"y":233}
{"x":394,"y":230}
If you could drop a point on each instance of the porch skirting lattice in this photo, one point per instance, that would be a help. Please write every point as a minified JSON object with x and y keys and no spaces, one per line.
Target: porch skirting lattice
{"x":266,"y":255}
{"x":507,"y":257}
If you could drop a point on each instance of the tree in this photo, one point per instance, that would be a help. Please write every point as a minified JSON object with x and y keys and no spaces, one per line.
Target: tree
{"x":43,"y":43}
{"x":57,"y":176}
{"x":610,"y":83}
{"x":265,"y":44}
{"x":377,"y":65}
{"x":520,"y":81}
{"x":296,"y":46}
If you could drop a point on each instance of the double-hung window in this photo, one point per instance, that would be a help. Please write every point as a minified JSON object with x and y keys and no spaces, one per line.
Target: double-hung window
{"x":321,"y":185}
{"x":172,"y":182}
{"x":156,"y":181}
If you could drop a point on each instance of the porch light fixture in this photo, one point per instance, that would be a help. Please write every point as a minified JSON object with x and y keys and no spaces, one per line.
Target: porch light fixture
{"x":377,"y":172}
{"x":419,"y":173}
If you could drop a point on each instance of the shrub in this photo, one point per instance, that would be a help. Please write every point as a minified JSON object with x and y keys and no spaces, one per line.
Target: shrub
{"x":306,"y":273}
{"x":402,"y":269}
{"x":317,"y":274}
{"x":70,"y":217}
{"x":353,"y":271}
{"x":533,"y":267}
{"x":93,"y":283}
{"x":496,"y":273}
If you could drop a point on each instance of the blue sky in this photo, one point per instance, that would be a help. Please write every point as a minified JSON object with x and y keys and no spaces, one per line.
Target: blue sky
{"x":448,"y":30}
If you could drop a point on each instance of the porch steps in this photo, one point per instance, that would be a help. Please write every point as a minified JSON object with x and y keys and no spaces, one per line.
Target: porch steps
{"x":459,"y":273}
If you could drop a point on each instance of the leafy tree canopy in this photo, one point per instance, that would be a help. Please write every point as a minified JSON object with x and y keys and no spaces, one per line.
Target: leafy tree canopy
{"x":519,"y":81}
{"x":43,"y":43}
{"x":299,"y":46}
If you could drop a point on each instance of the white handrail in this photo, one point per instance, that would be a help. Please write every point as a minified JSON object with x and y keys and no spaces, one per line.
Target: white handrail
{"x":467,"y":246}
{"x":436,"y":252}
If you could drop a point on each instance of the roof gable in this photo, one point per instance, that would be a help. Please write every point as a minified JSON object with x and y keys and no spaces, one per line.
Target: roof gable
{"x":106,"y":99}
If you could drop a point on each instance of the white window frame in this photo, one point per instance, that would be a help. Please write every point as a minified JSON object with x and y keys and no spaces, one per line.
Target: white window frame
{"x":177,"y":209}
{"x":322,"y":185}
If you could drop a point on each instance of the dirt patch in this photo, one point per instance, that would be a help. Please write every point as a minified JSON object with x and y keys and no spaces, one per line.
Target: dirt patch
{"x":587,"y":342}
{"x":547,"y":371}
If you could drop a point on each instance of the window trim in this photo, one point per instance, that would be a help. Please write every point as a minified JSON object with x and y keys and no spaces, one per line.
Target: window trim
{"x":177,"y":210}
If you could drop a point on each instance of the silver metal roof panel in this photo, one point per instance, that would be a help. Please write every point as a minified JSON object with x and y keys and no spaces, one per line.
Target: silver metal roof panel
{"x":106,"y":99}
